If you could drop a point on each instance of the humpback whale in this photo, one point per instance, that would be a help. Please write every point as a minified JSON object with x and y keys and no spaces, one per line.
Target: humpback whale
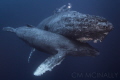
{"x":77,"y":26}
{"x":51,"y":43}
{"x":64,"y":33}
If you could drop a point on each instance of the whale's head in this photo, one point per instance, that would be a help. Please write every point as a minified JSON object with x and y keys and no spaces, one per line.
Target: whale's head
{"x":94,"y":28}
{"x":77,"y":26}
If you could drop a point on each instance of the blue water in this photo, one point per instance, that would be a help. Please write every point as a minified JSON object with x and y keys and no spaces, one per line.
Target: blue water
{"x":14,"y":52}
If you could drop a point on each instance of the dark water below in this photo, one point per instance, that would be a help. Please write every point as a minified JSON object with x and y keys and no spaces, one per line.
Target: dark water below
{"x":14,"y":52}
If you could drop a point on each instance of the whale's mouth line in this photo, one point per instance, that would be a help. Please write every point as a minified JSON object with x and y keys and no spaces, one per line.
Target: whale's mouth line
{"x":85,"y":39}
{"x":95,"y":40}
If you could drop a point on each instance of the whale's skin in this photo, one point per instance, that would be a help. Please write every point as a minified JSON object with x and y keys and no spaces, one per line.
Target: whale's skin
{"x":75,"y":25}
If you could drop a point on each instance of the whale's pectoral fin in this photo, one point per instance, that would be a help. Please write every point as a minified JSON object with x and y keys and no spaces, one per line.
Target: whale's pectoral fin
{"x":50,"y":63}
{"x":32,"y":51}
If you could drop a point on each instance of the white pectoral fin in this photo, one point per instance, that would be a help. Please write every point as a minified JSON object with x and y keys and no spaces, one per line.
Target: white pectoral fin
{"x":32,"y":51}
{"x":50,"y":63}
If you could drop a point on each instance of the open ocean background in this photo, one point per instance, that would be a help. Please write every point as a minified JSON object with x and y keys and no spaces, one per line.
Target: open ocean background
{"x":14,"y":52}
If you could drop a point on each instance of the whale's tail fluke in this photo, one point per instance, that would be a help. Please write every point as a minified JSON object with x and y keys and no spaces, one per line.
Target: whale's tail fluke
{"x":10,"y":29}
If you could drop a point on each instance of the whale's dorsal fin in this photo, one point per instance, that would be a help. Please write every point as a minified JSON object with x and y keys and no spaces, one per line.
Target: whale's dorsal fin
{"x":29,"y":25}
{"x":32,"y":51}
{"x":50,"y":63}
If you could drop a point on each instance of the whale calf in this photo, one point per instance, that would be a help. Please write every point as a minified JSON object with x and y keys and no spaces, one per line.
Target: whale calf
{"x":51,"y":43}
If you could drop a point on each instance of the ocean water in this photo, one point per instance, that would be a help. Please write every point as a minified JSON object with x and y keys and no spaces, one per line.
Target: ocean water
{"x":14,"y":52}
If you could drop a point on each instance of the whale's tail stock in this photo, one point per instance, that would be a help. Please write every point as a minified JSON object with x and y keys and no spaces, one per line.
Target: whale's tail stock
{"x":10,"y":29}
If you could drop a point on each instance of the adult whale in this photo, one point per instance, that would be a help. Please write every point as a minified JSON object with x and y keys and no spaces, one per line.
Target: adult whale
{"x":77,"y":26}
{"x":52,"y":43}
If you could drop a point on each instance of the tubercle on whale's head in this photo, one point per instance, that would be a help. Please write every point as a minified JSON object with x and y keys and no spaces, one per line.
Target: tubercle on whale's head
{"x":99,"y":28}
{"x":87,"y":27}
